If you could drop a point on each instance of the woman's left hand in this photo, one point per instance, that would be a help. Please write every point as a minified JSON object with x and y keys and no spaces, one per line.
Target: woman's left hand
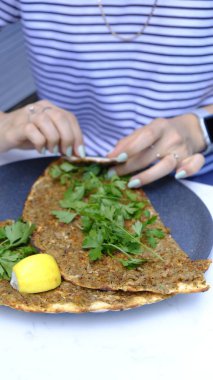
{"x":169,"y":144}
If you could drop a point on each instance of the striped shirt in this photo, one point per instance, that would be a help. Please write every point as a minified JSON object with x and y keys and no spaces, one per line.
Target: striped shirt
{"x":114,"y":87}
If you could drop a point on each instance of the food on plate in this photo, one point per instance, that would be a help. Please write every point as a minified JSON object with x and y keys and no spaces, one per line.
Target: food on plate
{"x":14,"y":245}
{"x":150,"y":261}
{"x":35,"y":274}
{"x":104,"y":161}
{"x":106,"y":241}
{"x":69,"y":298}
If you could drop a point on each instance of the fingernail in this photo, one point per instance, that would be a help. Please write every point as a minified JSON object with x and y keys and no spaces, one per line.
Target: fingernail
{"x":134,"y":183}
{"x":55,"y":149}
{"x":69,"y":151}
{"x":43,"y":150}
{"x":122,"y":157}
{"x":181,"y":174}
{"x":81,"y":151}
{"x":111,"y":173}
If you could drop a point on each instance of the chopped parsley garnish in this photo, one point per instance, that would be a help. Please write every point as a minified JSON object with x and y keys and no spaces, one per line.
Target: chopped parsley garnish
{"x":14,"y":246}
{"x":105,"y":207}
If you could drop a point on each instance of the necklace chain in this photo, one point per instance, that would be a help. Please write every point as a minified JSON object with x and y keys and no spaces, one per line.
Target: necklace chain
{"x":118,"y":36}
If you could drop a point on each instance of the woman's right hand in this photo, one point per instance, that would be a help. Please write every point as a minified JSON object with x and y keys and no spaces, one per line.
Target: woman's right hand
{"x":41,"y":125}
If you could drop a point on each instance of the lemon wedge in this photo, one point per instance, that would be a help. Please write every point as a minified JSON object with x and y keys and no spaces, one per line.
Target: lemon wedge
{"x":35,"y":274}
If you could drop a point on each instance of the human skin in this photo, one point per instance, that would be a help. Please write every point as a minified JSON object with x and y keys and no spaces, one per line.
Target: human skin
{"x":173,"y":144}
{"x":48,"y":127}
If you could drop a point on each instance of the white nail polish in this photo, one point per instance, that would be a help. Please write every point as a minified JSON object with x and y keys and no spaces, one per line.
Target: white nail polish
{"x":110,"y":173}
{"x":55,"y":149}
{"x":69,"y":151}
{"x":181,"y":174}
{"x":122,"y":157}
{"x":81,"y":151}
{"x":134,"y":183}
{"x":43,"y":150}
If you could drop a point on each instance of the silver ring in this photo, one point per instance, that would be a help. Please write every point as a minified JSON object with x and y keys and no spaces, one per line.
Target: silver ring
{"x":31,"y":109}
{"x":46,"y":108}
{"x":176,"y":156}
{"x":158,"y":156}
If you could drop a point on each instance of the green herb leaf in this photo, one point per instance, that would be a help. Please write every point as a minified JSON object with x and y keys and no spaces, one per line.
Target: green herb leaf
{"x":152,"y":241}
{"x":132,"y":263}
{"x":146,"y":213}
{"x":94,"y":169}
{"x":95,"y":254}
{"x":8,"y":260}
{"x":93,"y":240}
{"x":2,"y":233}
{"x":19,"y":232}
{"x":67,"y":167}
{"x":105,"y":207}
{"x":65,"y":178}
{"x":137,"y":227}
{"x":64,"y":216}
{"x":151,"y":220}
{"x":156,"y":232}
{"x":14,"y":246}
{"x":55,"y":171}
{"x":130,"y":195}
{"x":86,"y":223}
{"x":119,"y":184}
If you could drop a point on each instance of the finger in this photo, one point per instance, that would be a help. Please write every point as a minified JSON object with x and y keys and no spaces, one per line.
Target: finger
{"x":33,"y":134}
{"x":138,"y":141}
{"x":66,"y":126}
{"x":48,"y":130}
{"x":139,"y":161}
{"x":190,"y":166}
{"x":146,"y":158}
{"x":165,"y":166}
{"x":64,"y":129}
{"x":78,"y":143}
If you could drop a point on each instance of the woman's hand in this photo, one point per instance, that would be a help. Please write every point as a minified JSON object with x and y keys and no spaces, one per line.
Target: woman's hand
{"x":43,"y":126}
{"x":169,"y":144}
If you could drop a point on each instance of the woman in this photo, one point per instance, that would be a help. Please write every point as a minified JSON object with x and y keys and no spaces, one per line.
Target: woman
{"x":120,"y":77}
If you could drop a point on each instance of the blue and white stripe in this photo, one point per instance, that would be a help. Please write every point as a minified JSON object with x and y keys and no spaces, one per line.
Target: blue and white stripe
{"x":111,"y":86}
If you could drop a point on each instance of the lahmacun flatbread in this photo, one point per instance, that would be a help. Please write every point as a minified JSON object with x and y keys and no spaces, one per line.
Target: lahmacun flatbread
{"x":176,"y":273}
{"x":69,"y":298}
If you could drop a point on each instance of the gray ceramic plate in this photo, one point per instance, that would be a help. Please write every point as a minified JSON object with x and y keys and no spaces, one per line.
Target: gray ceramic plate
{"x":180,"y":209}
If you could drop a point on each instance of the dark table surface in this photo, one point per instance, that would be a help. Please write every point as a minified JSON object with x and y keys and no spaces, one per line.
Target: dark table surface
{"x":205,"y":178}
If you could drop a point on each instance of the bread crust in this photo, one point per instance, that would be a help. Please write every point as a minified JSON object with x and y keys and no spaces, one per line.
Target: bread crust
{"x":69,"y":298}
{"x":176,"y":273}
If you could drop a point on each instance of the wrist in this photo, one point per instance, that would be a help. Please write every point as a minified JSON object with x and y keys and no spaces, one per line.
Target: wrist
{"x":3,"y":129}
{"x":12,"y":127}
{"x":2,"y":114}
{"x":197,"y":133}
{"x":205,"y":120}
{"x":197,"y":138}
{"x":208,"y":108}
